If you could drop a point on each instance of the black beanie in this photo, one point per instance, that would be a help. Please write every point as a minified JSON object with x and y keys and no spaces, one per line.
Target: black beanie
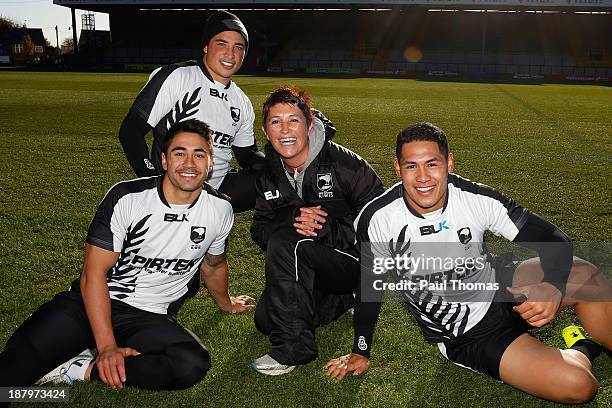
{"x":220,"y":21}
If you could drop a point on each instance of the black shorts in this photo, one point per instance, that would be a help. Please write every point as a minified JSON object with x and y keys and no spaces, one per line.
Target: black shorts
{"x":482,"y":347}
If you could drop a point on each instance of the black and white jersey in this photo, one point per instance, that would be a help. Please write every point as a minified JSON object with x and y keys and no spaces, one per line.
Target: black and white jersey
{"x":187,"y":91}
{"x":161,"y":245}
{"x":389,"y":227}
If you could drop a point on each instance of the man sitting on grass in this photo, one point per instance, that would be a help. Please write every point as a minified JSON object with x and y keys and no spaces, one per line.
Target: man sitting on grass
{"x":434,"y":214}
{"x":145,"y":246}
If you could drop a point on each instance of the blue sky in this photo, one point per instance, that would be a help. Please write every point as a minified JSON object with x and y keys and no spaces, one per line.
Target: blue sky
{"x":44,"y":14}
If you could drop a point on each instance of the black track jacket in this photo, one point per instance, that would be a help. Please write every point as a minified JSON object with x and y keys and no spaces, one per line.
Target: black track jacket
{"x":337,"y":179}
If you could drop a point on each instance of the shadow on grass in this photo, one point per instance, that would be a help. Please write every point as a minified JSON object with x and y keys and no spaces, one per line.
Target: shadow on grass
{"x":231,"y":382}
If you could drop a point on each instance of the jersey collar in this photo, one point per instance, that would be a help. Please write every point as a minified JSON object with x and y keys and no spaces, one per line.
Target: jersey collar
{"x":160,"y":193}
{"x":207,"y":74}
{"x":446,"y":198}
{"x":400,"y":189}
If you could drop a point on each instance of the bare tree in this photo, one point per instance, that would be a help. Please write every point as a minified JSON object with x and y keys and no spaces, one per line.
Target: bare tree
{"x":6,"y":22}
{"x":67,"y":45}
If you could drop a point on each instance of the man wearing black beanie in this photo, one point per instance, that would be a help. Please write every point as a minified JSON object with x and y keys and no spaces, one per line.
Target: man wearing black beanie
{"x":221,"y":30}
{"x":201,"y":90}
{"x":220,"y":21}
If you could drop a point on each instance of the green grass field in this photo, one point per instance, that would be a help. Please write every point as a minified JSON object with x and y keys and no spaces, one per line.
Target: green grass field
{"x":548,"y":146}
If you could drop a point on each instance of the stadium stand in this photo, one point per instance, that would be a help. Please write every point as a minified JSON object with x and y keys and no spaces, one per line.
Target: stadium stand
{"x":450,"y":42}
{"x":402,"y":41}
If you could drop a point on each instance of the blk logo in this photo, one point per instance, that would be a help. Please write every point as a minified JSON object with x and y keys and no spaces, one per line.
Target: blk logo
{"x":465,"y":235}
{"x":175,"y":217}
{"x":198,"y":234}
{"x":431,"y":229}
{"x":220,"y":95}
{"x":269,"y":195}
{"x":235,"y":113}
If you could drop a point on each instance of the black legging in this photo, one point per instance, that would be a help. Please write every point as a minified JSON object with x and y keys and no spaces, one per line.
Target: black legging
{"x":171,"y":357}
{"x":239,"y":185}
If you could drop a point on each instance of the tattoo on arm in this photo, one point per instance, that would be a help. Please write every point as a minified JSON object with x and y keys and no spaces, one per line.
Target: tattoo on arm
{"x":214,"y":260}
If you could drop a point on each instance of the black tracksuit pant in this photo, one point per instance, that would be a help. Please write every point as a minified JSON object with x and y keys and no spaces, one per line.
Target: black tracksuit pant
{"x":171,"y":357}
{"x":307,"y":285}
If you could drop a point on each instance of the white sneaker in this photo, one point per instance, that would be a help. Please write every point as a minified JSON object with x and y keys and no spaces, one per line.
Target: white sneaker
{"x":269,"y":366}
{"x":59,"y":375}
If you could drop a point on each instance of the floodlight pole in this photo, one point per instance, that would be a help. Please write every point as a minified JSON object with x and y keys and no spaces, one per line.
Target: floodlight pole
{"x":484,"y":41}
{"x":74,"y":31}
{"x":56,"y":37}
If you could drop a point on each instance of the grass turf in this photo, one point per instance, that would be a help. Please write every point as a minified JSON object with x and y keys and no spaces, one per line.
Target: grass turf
{"x":548,"y":146}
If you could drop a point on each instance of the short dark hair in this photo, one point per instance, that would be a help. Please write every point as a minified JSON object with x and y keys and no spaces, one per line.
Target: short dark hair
{"x":423,"y":131}
{"x":191,"y":126}
{"x":290,"y":95}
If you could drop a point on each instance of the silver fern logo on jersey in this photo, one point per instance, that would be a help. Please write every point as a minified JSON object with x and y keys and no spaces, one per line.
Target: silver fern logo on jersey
{"x":465,"y":235}
{"x":235,"y":113}
{"x":198,"y":234}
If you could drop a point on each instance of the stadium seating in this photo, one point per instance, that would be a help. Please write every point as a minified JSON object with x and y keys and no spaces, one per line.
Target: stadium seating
{"x":444,"y":43}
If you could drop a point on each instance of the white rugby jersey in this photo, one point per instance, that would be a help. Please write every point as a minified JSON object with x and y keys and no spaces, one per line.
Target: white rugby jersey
{"x":161,"y":245}
{"x":186,"y":90}
{"x":452,"y":234}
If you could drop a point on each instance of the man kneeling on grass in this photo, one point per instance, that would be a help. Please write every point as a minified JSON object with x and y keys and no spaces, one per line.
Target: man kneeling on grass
{"x":145,"y":245}
{"x":434,"y":214}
